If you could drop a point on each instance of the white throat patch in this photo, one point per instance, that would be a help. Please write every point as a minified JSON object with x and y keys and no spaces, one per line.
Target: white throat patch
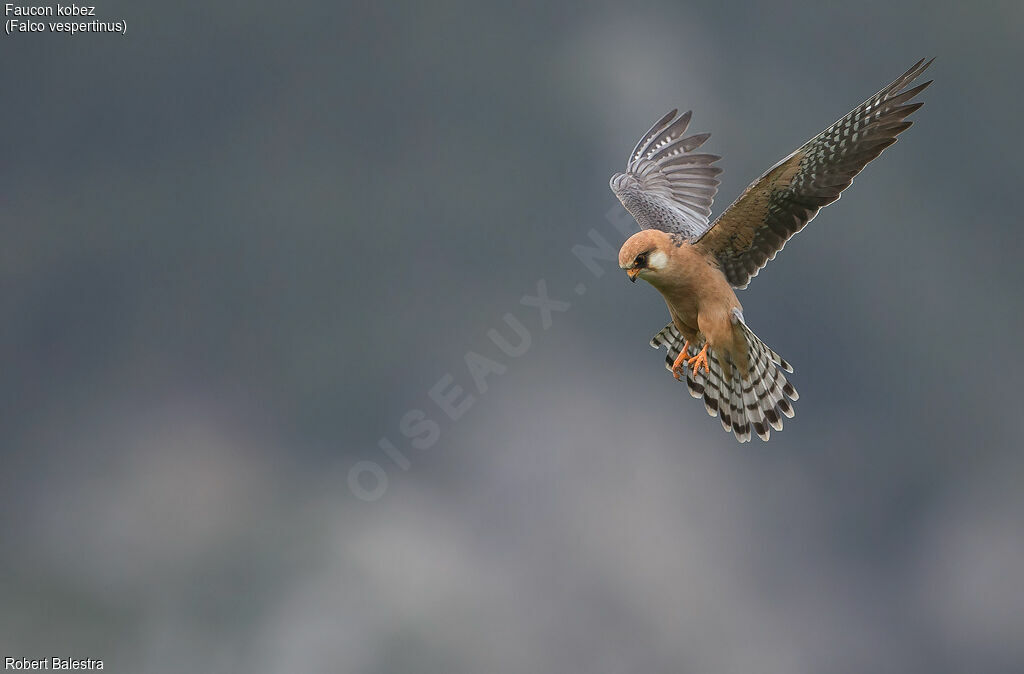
{"x":657,"y":260}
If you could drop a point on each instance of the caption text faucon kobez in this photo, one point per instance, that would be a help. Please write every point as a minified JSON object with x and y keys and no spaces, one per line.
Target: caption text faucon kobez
{"x":62,"y":19}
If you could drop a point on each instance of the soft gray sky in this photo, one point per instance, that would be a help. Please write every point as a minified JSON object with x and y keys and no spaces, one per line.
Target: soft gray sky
{"x":243,"y":242}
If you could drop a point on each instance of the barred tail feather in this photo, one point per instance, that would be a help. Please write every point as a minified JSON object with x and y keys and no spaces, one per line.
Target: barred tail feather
{"x":754,"y":404}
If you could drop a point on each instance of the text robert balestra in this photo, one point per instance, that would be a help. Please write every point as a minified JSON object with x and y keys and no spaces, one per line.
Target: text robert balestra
{"x":54,"y":663}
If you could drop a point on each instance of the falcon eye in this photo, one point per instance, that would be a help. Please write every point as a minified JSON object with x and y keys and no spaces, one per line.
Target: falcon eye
{"x":641,"y":260}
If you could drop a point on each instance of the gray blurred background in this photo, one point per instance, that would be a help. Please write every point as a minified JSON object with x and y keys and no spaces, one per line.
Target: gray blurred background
{"x":243,"y":242}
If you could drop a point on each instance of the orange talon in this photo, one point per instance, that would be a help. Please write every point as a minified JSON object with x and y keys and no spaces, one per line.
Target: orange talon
{"x":700,"y":359}
{"x":677,"y":366}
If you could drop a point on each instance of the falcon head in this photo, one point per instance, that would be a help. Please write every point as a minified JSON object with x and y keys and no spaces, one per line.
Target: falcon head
{"x":645,"y":255}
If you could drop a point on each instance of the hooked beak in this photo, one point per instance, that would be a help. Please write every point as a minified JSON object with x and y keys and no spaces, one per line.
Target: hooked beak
{"x":633,"y":273}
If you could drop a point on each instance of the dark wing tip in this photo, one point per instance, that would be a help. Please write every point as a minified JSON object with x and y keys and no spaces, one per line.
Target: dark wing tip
{"x":906,"y":78}
{"x":921,"y":66}
{"x":915,"y":71}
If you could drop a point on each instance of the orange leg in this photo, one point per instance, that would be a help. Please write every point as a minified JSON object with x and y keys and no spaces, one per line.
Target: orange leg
{"x":677,"y":366}
{"x":700,"y":359}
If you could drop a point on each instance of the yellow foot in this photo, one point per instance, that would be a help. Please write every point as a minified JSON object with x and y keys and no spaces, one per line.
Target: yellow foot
{"x":677,"y":366}
{"x":700,"y":359}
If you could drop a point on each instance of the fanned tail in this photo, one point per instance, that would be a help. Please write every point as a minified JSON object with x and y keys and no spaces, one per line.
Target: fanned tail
{"x":756,"y":403}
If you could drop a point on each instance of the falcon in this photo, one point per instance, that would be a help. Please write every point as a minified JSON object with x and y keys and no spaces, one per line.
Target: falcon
{"x":668,"y":188}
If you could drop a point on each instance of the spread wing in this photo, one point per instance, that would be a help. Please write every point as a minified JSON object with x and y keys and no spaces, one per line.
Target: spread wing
{"x":666,"y":185}
{"x":778,"y":204}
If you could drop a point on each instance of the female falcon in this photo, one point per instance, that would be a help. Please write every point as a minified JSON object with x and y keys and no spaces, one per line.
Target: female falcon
{"x":668,"y":188}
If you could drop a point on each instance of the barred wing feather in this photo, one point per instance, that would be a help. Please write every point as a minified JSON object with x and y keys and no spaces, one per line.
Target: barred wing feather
{"x":782,"y":201}
{"x":667,"y":185}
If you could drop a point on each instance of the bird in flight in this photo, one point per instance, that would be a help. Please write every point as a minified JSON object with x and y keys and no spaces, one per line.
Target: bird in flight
{"x":668,"y":188}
